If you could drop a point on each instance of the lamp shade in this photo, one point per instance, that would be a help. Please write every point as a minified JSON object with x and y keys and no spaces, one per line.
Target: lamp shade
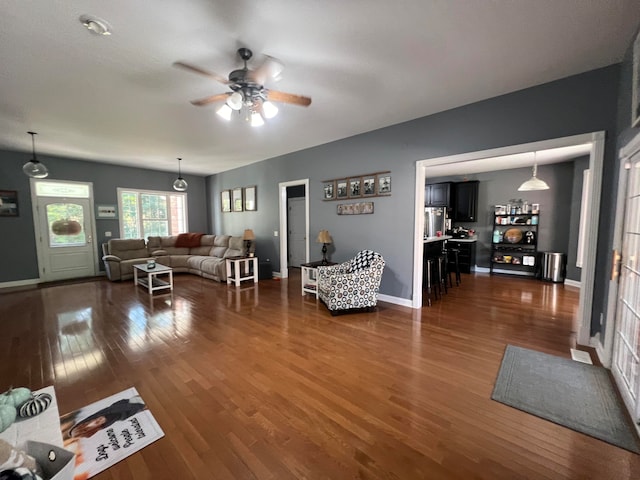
{"x":324,"y":237}
{"x":534,"y":183}
{"x":248,"y":235}
{"x":180,"y":184}
{"x":225,"y":112}
{"x":33,"y":168}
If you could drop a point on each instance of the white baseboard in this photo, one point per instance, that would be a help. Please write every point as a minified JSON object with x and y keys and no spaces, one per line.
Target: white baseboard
{"x":276,"y":275}
{"x":20,"y":283}
{"x":573,"y":283}
{"x":403,"y":302}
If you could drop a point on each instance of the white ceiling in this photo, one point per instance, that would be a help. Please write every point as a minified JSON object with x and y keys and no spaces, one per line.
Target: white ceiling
{"x":366,"y":64}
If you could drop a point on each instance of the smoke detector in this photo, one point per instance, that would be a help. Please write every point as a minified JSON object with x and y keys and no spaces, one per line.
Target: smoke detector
{"x":95,"y":25}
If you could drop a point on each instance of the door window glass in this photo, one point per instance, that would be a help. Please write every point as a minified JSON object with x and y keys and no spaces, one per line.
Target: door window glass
{"x":66,"y":225}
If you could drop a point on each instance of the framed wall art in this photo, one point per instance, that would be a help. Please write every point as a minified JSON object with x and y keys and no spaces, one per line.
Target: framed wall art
{"x":236,"y":199}
{"x":250,"y":203}
{"x":384,"y":184}
{"x":375,"y":184}
{"x":225,"y":201}
{"x":362,"y":208}
{"x":107,"y":211}
{"x":8,"y":203}
{"x":329,"y":190}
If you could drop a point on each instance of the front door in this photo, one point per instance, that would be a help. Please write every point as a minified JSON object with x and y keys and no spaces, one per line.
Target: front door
{"x":626,"y":347}
{"x":65,"y":229}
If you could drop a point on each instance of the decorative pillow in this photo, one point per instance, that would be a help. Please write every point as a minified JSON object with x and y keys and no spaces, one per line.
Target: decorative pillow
{"x":188,"y":240}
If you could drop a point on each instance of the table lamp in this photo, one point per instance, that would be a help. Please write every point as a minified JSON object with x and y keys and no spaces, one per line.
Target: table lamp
{"x":248,"y":237}
{"x":324,"y":238}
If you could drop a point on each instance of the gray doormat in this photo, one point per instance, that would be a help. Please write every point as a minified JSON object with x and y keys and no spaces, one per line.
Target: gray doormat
{"x":571,"y":394}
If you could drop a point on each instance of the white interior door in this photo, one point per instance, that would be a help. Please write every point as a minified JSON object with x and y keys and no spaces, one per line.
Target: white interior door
{"x":626,"y":347}
{"x":296,"y":231}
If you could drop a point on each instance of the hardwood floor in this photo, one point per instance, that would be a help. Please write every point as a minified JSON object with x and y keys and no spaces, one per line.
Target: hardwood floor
{"x":259,"y":382}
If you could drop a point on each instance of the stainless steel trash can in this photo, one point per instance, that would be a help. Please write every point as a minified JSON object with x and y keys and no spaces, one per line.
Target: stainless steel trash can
{"x":554,"y":267}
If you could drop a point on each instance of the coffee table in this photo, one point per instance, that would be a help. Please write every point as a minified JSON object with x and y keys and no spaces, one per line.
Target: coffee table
{"x":150,"y":281}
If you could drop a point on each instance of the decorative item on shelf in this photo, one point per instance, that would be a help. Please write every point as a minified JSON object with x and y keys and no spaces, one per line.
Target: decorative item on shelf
{"x":248,"y":237}
{"x":534,"y":183}
{"x":151,"y":263}
{"x":33,"y":168}
{"x":513,"y":235}
{"x":180,"y":184}
{"x":325,"y":239}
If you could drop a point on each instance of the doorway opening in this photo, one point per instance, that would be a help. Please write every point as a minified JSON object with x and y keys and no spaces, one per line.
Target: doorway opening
{"x":595,"y":142}
{"x":64,"y":224}
{"x":294,"y":224}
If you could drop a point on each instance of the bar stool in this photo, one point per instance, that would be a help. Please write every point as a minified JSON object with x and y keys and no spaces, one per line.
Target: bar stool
{"x":442,"y":273}
{"x":427,"y":276}
{"x":456,"y":264}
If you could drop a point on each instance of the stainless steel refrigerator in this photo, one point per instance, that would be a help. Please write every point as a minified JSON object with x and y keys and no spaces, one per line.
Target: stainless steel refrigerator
{"x":435,"y":220}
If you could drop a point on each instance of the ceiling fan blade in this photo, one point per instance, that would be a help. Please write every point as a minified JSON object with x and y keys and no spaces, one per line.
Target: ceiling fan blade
{"x":213,"y":98}
{"x":191,"y":68}
{"x":271,"y":68}
{"x":276,"y":96}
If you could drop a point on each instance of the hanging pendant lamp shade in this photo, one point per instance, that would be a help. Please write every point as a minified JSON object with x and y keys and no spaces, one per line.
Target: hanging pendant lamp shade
{"x":33,"y":168}
{"x":534,"y":183}
{"x":180,"y":184}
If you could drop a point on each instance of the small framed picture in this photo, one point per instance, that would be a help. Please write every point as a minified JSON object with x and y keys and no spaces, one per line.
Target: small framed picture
{"x":329,"y":190}
{"x":368,"y":186}
{"x":250,"y":203}
{"x":8,"y":203}
{"x":341,"y":188}
{"x":225,"y":201}
{"x":384,"y":184}
{"x":236,"y":199}
{"x":355,"y":189}
{"x":107,"y":211}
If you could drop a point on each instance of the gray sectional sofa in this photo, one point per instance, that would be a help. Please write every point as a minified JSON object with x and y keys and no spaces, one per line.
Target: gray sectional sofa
{"x":206,"y":260}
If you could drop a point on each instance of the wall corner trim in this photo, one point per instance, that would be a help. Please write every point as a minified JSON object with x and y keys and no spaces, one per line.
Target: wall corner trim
{"x":404,"y":302}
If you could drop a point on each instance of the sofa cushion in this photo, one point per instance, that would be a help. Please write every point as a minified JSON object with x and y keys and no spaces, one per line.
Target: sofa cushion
{"x":206,"y":242}
{"x":179,"y":261}
{"x":194,"y":261}
{"x":215,"y":267}
{"x":128,"y":249}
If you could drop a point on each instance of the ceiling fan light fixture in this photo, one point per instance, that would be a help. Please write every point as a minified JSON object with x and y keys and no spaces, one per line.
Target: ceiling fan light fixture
{"x":225,"y":112}
{"x":534,"y":183}
{"x":256,"y":119}
{"x":235,"y":101}
{"x":33,"y":168}
{"x":180,"y":184}
{"x":269,"y":109}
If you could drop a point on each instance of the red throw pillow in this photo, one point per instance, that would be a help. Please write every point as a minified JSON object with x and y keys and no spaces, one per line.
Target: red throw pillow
{"x":188,"y":240}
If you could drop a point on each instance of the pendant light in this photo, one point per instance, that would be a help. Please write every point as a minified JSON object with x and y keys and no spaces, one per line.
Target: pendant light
{"x":180,"y":184}
{"x":33,"y":168}
{"x":534,"y":183}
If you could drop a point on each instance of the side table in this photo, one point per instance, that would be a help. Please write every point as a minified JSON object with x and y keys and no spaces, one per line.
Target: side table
{"x":242,"y":268}
{"x":309,"y":276}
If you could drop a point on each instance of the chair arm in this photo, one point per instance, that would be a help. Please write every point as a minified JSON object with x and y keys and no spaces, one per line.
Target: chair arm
{"x":111,"y":258}
{"x":371,"y":279}
{"x":159,"y":252}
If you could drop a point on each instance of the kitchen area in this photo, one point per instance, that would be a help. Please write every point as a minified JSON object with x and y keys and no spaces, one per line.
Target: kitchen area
{"x":449,"y":243}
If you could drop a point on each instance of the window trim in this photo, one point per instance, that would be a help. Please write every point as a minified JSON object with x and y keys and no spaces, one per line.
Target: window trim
{"x":139,"y":192}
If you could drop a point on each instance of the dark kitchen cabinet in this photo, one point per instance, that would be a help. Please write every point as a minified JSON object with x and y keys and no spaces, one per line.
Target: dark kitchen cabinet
{"x":465,"y":205}
{"x":438,"y":195}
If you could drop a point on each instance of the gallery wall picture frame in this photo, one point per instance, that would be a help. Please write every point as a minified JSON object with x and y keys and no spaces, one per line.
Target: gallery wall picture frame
{"x":384,"y":184}
{"x":329,"y":190}
{"x":236,"y":199}
{"x":635,"y":87}
{"x":355,"y":187}
{"x":107,"y":212}
{"x":368,"y":185}
{"x":225,"y":201}
{"x":250,"y":198}
{"x":9,"y":203}
{"x":360,"y":208}
{"x":342,"y":188}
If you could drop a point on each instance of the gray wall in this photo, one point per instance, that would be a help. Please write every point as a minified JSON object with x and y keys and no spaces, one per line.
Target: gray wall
{"x":574,"y":105}
{"x":17,"y":242}
{"x":501,"y":186}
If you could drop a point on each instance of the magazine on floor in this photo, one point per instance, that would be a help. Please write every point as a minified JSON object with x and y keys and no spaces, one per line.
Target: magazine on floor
{"x":107,"y":431}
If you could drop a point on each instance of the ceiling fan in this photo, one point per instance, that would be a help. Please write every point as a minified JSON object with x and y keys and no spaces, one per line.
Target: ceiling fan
{"x":248,"y":90}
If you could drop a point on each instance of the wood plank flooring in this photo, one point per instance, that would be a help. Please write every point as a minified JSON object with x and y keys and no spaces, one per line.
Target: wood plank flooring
{"x":258,"y":382}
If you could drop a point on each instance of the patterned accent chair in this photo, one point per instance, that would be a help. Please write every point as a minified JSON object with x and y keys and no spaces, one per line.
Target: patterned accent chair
{"x":352,"y":284}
